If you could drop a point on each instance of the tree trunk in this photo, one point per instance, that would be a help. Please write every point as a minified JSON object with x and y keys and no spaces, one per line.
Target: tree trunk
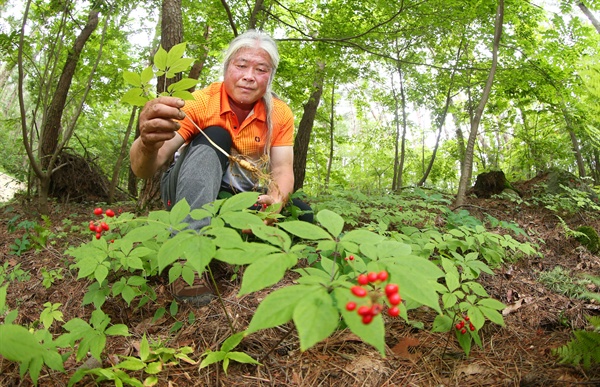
{"x":305,"y":128}
{"x":124,"y":147}
{"x":574,"y":142}
{"x":468,"y":163}
{"x":198,"y":65}
{"x":331,"y":128}
{"x":51,"y":128}
{"x":399,"y":154}
{"x":441,"y":121}
{"x":589,"y":15}
{"x":172,"y":34}
{"x":596,"y":167}
{"x":258,"y":5}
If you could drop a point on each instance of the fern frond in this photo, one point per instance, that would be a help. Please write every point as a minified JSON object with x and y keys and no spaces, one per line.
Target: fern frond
{"x":583,"y":349}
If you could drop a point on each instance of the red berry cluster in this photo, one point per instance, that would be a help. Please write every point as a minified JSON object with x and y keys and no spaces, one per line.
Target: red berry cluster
{"x":100,"y":227}
{"x":349,"y":258}
{"x":374,"y":306}
{"x":461,"y":325}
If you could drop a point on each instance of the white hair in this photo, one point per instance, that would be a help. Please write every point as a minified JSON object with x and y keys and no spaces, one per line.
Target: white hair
{"x":253,"y":39}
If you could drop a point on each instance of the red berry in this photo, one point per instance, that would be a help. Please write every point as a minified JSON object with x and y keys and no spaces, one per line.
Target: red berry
{"x":98,"y":229}
{"x":372,"y":276}
{"x":350,"y":306}
{"x":362,"y":279}
{"x":92,"y":227}
{"x":391,"y":289}
{"x":382,"y":276}
{"x":367,"y":319}
{"x":394,"y":311}
{"x":351,"y":257}
{"x":358,"y":291}
{"x":98,"y":211}
{"x":98,"y":235}
{"x":364,"y":311}
{"x":467,"y":318}
{"x":264,"y":206}
{"x":463,"y":331}
{"x":105,"y":226}
{"x":471,"y":327}
{"x":110,"y":213}
{"x":395,"y":299}
{"x":458,"y":326}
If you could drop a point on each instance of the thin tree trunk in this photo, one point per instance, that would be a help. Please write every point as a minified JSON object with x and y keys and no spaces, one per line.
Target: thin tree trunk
{"x":230,"y":17}
{"x":198,"y":65}
{"x":441,"y":121}
{"x":589,"y":15}
{"x":574,"y":142}
{"x":399,"y":159}
{"x":305,"y":128}
{"x":467,"y":169}
{"x":172,"y":34}
{"x":124,"y":147}
{"x":596,"y":167}
{"x":396,"y":138}
{"x":52,"y":126}
{"x":258,"y":5}
{"x":331,"y":128}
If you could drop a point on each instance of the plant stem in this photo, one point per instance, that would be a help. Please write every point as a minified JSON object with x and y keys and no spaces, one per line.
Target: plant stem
{"x":263,"y":357}
{"x":214,"y":282}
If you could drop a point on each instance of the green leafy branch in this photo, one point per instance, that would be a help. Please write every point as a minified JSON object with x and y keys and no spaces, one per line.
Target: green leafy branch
{"x":167,"y":64}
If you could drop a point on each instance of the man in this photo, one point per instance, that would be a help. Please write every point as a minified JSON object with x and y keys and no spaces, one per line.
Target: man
{"x":240,"y":115}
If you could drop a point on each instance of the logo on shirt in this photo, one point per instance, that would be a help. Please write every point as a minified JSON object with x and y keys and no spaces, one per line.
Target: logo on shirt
{"x":257,"y":139}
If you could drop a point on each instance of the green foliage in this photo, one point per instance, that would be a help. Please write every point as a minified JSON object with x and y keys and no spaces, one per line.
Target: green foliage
{"x":50,"y":314}
{"x":50,"y":276}
{"x":382,"y":213}
{"x":226,"y":355}
{"x":13,"y":274}
{"x":570,"y":201}
{"x":584,"y":349}
{"x":168,"y":64}
{"x":151,"y":361}
{"x":92,"y":336}
{"x":35,"y":235}
{"x":435,"y":268}
{"x":144,"y":247}
{"x":561,"y":281}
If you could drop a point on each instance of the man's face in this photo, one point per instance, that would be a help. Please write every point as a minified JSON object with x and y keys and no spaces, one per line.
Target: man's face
{"x":247,"y":76}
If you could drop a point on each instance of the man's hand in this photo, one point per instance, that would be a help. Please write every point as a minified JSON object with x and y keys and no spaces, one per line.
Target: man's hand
{"x":157,"y":123}
{"x":158,"y":138}
{"x":266,"y":201}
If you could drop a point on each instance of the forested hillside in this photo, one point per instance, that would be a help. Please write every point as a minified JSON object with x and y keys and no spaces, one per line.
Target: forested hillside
{"x":447,"y":147}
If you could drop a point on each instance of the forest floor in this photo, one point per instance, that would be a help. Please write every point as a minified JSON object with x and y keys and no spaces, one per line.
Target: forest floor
{"x":518,"y":354}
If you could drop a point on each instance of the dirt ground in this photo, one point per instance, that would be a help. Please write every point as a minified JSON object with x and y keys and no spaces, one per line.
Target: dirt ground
{"x":518,"y":354}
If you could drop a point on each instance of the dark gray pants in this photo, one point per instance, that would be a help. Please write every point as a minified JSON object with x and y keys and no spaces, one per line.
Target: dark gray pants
{"x":197,"y":173}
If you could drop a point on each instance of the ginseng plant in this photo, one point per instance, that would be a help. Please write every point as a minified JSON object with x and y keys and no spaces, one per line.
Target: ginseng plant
{"x":169,"y":64}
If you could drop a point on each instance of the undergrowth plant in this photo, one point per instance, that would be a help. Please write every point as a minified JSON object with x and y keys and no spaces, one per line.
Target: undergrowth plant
{"x":152,"y":360}
{"x":584,"y":349}
{"x":35,"y":348}
{"x":571,"y":201}
{"x":341,"y":281}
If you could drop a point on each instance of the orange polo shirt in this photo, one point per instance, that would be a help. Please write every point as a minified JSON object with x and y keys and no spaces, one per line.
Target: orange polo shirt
{"x":211,"y":108}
